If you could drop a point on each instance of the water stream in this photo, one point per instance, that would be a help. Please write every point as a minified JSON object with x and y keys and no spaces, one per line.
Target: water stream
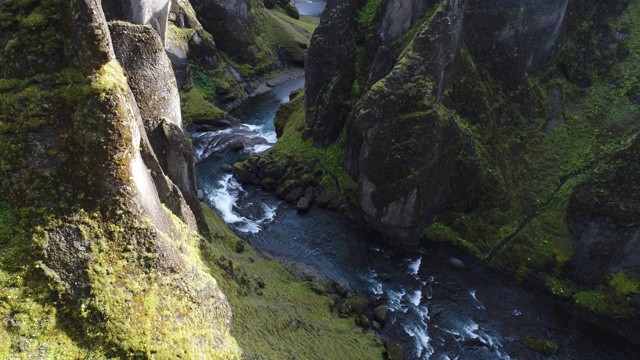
{"x":440,"y":307}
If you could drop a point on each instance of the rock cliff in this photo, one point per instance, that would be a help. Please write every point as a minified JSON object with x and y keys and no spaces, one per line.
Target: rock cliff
{"x":100,"y":253}
{"x":225,"y":51}
{"x":506,"y":128}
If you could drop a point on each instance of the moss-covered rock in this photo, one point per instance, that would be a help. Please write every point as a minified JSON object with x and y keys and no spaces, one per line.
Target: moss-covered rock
{"x":290,"y":8}
{"x":256,"y":41}
{"x":92,"y":265}
{"x":543,"y":346}
{"x":380,"y":314}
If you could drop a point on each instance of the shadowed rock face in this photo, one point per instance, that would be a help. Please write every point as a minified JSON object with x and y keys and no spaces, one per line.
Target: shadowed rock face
{"x":232,"y":25}
{"x":391,"y":125}
{"x":330,"y":71}
{"x":400,"y":143}
{"x":604,"y":215}
{"x":472,"y":123}
{"x":399,"y":16}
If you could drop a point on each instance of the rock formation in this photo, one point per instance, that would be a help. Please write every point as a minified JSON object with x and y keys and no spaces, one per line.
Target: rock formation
{"x":143,"y":12}
{"x":99,"y":252}
{"x":482,"y":124}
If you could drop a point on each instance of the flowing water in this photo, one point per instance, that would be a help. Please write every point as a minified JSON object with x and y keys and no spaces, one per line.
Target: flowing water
{"x":440,"y":307}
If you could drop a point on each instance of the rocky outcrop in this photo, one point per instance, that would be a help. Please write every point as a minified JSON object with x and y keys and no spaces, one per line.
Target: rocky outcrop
{"x":122,"y":269}
{"x":144,"y":12}
{"x":330,"y":72}
{"x":604,"y":215}
{"x":385,"y":131}
{"x":251,"y":35}
{"x":153,"y":84}
{"x":405,"y":143}
{"x":148,"y":70}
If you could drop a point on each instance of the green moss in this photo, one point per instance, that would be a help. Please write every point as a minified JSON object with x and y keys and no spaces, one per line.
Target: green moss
{"x":611,"y":298}
{"x":546,"y":242}
{"x":109,"y":77}
{"x":284,"y":318}
{"x":37,"y":18}
{"x":180,"y":36}
{"x":197,"y":107}
{"x":30,"y":320}
{"x":623,"y":285}
{"x":367,"y":13}
{"x":147,"y":311}
{"x":559,"y":287}
{"x":291,"y":144}
{"x":439,"y":232}
{"x":543,"y":346}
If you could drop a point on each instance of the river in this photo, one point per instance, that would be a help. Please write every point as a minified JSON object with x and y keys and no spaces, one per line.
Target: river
{"x":441,"y":307}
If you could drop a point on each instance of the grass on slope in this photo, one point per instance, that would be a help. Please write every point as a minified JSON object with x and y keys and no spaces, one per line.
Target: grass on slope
{"x":306,"y":23}
{"x":285,"y":319}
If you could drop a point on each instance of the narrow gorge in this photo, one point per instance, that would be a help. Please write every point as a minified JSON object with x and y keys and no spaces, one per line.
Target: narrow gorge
{"x":272,"y":179}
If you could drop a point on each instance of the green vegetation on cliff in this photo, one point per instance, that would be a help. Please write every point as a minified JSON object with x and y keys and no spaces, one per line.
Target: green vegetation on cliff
{"x":517,"y":144}
{"x":84,"y":270}
{"x":290,"y":118}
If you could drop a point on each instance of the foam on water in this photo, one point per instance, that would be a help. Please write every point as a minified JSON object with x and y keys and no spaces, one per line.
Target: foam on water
{"x":480,"y":305}
{"x":225,"y":198}
{"x":260,"y":130}
{"x":415,"y":297}
{"x":259,"y":148}
{"x":414,"y":266}
{"x":422,"y":348}
{"x":394,"y":301}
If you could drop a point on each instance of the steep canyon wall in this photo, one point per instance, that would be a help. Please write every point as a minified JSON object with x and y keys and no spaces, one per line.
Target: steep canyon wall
{"x":100,"y":241}
{"x":490,"y":125}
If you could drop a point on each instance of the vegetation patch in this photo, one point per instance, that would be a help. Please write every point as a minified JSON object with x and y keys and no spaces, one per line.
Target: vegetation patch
{"x":368,"y":12}
{"x":198,"y":107}
{"x":275,"y":314}
{"x":291,"y":144}
{"x":306,"y":25}
{"x":543,"y":346}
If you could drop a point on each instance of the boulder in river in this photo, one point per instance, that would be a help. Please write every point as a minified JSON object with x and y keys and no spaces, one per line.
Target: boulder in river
{"x":244,"y":172}
{"x":295,"y":194}
{"x":303,"y":204}
{"x":380,"y":314}
{"x":394,"y":351}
